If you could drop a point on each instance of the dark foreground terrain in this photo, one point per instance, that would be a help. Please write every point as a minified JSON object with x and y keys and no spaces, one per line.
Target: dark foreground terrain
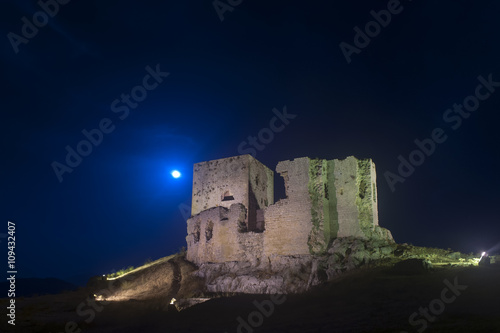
{"x":363,"y":301}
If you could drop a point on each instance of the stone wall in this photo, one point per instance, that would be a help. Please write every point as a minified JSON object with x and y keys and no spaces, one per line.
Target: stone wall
{"x":324,"y":210}
{"x":260,"y":191}
{"x":240,"y":179}
{"x":347,"y":186}
{"x":374,"y":193}
{"x":288,"y":221}
{"x":218,"y":235}
{"x":356,"y":185}
{"x":325,"y":200}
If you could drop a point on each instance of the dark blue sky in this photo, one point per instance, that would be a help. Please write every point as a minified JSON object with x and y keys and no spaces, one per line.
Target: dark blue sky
{"x":119,"y":205}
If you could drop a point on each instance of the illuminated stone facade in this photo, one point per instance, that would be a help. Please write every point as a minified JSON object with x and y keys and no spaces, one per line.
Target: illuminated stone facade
{"x":234,"y":217}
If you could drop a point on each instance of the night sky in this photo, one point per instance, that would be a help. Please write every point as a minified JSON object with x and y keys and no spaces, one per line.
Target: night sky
{"x":168,"y":84}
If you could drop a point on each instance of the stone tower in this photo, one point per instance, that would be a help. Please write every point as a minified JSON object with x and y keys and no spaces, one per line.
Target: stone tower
{"x":240,"y":179}
{"x":234,"y":217}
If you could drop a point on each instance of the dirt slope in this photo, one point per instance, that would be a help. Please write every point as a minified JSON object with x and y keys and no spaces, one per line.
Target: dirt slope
{"x":366,"y":300}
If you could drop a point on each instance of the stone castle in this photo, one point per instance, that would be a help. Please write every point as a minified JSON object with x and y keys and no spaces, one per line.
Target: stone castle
{"x":234,"y":217}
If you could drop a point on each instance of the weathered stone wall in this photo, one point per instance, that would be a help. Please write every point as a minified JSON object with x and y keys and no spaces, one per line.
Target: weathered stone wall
{"x":260,"y":191}
{"x":288,"y":221}
{"x":346,"y":174}
{"x":326,"y":200}
{"x":355,"y":181}
{"x":216,"y":235}
{"x":212,"y":179}
{"x":374,"y":193}
{"x":240,"y":179}
{"x":325,"y":219}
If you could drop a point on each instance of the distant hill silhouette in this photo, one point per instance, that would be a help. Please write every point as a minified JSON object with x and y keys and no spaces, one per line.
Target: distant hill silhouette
{"x":79,"y":280}
{"x":26,"y":287}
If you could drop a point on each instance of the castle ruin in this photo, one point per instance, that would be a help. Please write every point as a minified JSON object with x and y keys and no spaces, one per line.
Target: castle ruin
{"x":234,"y":217}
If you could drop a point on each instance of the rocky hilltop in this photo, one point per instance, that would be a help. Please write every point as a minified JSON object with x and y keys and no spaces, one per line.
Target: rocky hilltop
{"x":244,"y":242}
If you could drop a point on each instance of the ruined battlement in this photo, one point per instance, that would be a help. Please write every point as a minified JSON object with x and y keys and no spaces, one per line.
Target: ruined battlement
{"x":234,"y":217}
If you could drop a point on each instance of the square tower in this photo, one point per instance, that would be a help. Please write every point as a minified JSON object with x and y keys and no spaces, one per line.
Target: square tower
{"x":239,"y":179}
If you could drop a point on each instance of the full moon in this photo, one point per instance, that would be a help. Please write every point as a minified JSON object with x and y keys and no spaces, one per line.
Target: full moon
{"x":176,"y":174}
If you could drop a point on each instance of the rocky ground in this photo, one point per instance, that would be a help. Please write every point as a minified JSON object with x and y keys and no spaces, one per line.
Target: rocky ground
{"x":436,"y":291}
{"x":299,"y":273}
